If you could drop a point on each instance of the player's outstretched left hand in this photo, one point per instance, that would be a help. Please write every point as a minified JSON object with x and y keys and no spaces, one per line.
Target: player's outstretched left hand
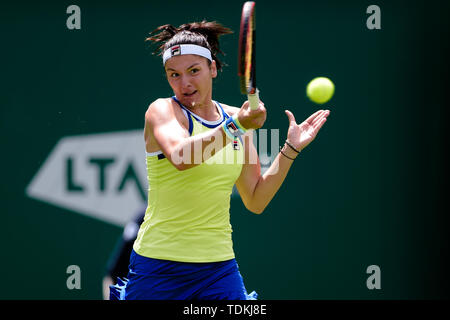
{"x":300,"y":135}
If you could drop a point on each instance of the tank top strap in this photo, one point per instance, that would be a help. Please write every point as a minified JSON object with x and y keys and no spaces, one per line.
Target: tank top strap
{"x":187,"y":113}
{"x":191,"y":115}
{"x":206,"y":123}
{"x":225,"y":115}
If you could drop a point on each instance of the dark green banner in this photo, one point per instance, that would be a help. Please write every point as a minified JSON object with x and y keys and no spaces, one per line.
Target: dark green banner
{"x":362,"y":213}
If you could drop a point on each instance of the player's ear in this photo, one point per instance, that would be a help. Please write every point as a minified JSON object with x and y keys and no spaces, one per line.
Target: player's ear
{"x":213,"y":69}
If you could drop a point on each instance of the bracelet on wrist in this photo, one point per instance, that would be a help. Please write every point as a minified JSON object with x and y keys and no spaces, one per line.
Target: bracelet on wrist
{"x":291,"y":146}
{"x":240,"y":126}
{"x":286,"y":155}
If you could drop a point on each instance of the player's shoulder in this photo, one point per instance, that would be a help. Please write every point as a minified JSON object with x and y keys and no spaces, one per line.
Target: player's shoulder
{"x":163,"y":110}
{"x":230,"y":110}
{"x":161,"y":106}
{"x":160,"y":103}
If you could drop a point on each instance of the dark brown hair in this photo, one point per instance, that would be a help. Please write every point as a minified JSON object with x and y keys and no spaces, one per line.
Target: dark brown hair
{"x":204,"y":33}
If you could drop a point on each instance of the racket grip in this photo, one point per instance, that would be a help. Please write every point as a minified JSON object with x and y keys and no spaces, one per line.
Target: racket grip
{"x":253,"y":100}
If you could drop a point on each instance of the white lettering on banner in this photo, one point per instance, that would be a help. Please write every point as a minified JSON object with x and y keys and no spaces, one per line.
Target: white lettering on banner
{"x":99,"y":175}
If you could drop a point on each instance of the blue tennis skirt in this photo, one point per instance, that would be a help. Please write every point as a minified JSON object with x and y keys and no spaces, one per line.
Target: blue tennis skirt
{"x":155,"y":279}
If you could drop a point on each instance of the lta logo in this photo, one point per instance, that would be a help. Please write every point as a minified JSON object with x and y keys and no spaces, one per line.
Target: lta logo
{"x":99,"y":175}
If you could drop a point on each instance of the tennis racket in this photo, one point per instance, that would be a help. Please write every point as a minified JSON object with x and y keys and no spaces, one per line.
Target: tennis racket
{"x":246,"y":60}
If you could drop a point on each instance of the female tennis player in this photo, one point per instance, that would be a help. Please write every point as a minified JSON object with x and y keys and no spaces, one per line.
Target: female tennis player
{"x":197,"y":150}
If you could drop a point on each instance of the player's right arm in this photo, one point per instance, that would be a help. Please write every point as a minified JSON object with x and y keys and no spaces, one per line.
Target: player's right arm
{"x":167,"y":129}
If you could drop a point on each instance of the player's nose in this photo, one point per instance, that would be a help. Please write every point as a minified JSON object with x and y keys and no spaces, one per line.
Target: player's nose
{"x":185,"y":83}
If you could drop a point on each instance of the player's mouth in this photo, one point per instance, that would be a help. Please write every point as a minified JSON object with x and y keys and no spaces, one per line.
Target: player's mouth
{"x":189,"y":94}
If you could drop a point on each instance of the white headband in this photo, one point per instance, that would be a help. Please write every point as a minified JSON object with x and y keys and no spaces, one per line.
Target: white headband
{"x":181,"y":49}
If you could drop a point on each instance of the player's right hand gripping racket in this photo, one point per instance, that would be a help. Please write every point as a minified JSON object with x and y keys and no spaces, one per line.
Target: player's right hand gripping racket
{"x":246,"y":62}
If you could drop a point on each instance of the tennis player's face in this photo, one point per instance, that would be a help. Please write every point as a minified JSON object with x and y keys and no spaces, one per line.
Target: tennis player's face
{"x":190,"y":77}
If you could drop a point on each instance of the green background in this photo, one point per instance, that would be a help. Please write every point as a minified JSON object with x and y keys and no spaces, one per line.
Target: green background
{"x":368,"y":191}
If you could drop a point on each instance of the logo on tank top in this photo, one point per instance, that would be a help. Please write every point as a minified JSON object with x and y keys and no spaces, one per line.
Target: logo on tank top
{"x":235,"y":144}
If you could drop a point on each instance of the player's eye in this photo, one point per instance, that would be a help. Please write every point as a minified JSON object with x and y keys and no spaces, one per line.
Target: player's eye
{"x":195,"y":70}
{"x":174,"y":75}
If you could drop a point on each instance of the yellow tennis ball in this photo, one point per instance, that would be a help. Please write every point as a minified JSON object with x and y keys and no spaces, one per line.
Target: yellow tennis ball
{"x":320,"y":90}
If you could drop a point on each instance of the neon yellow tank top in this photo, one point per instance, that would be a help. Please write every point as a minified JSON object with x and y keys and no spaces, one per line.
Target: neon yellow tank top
{"x":188,"y":213}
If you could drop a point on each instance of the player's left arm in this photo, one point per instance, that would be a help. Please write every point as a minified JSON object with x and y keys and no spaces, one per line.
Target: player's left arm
{"x":258,"y":190}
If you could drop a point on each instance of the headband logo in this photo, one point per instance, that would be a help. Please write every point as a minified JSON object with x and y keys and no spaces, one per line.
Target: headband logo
{"x":175,"y":51}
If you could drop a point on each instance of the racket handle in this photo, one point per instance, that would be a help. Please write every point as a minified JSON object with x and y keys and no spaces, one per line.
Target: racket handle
{"x":253,"y":100}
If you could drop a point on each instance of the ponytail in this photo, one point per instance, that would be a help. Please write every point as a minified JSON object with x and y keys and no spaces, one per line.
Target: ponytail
{"x":204,"y":33}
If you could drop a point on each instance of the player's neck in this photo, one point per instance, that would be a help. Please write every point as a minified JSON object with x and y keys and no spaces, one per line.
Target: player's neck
{"x":205,"y":109}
